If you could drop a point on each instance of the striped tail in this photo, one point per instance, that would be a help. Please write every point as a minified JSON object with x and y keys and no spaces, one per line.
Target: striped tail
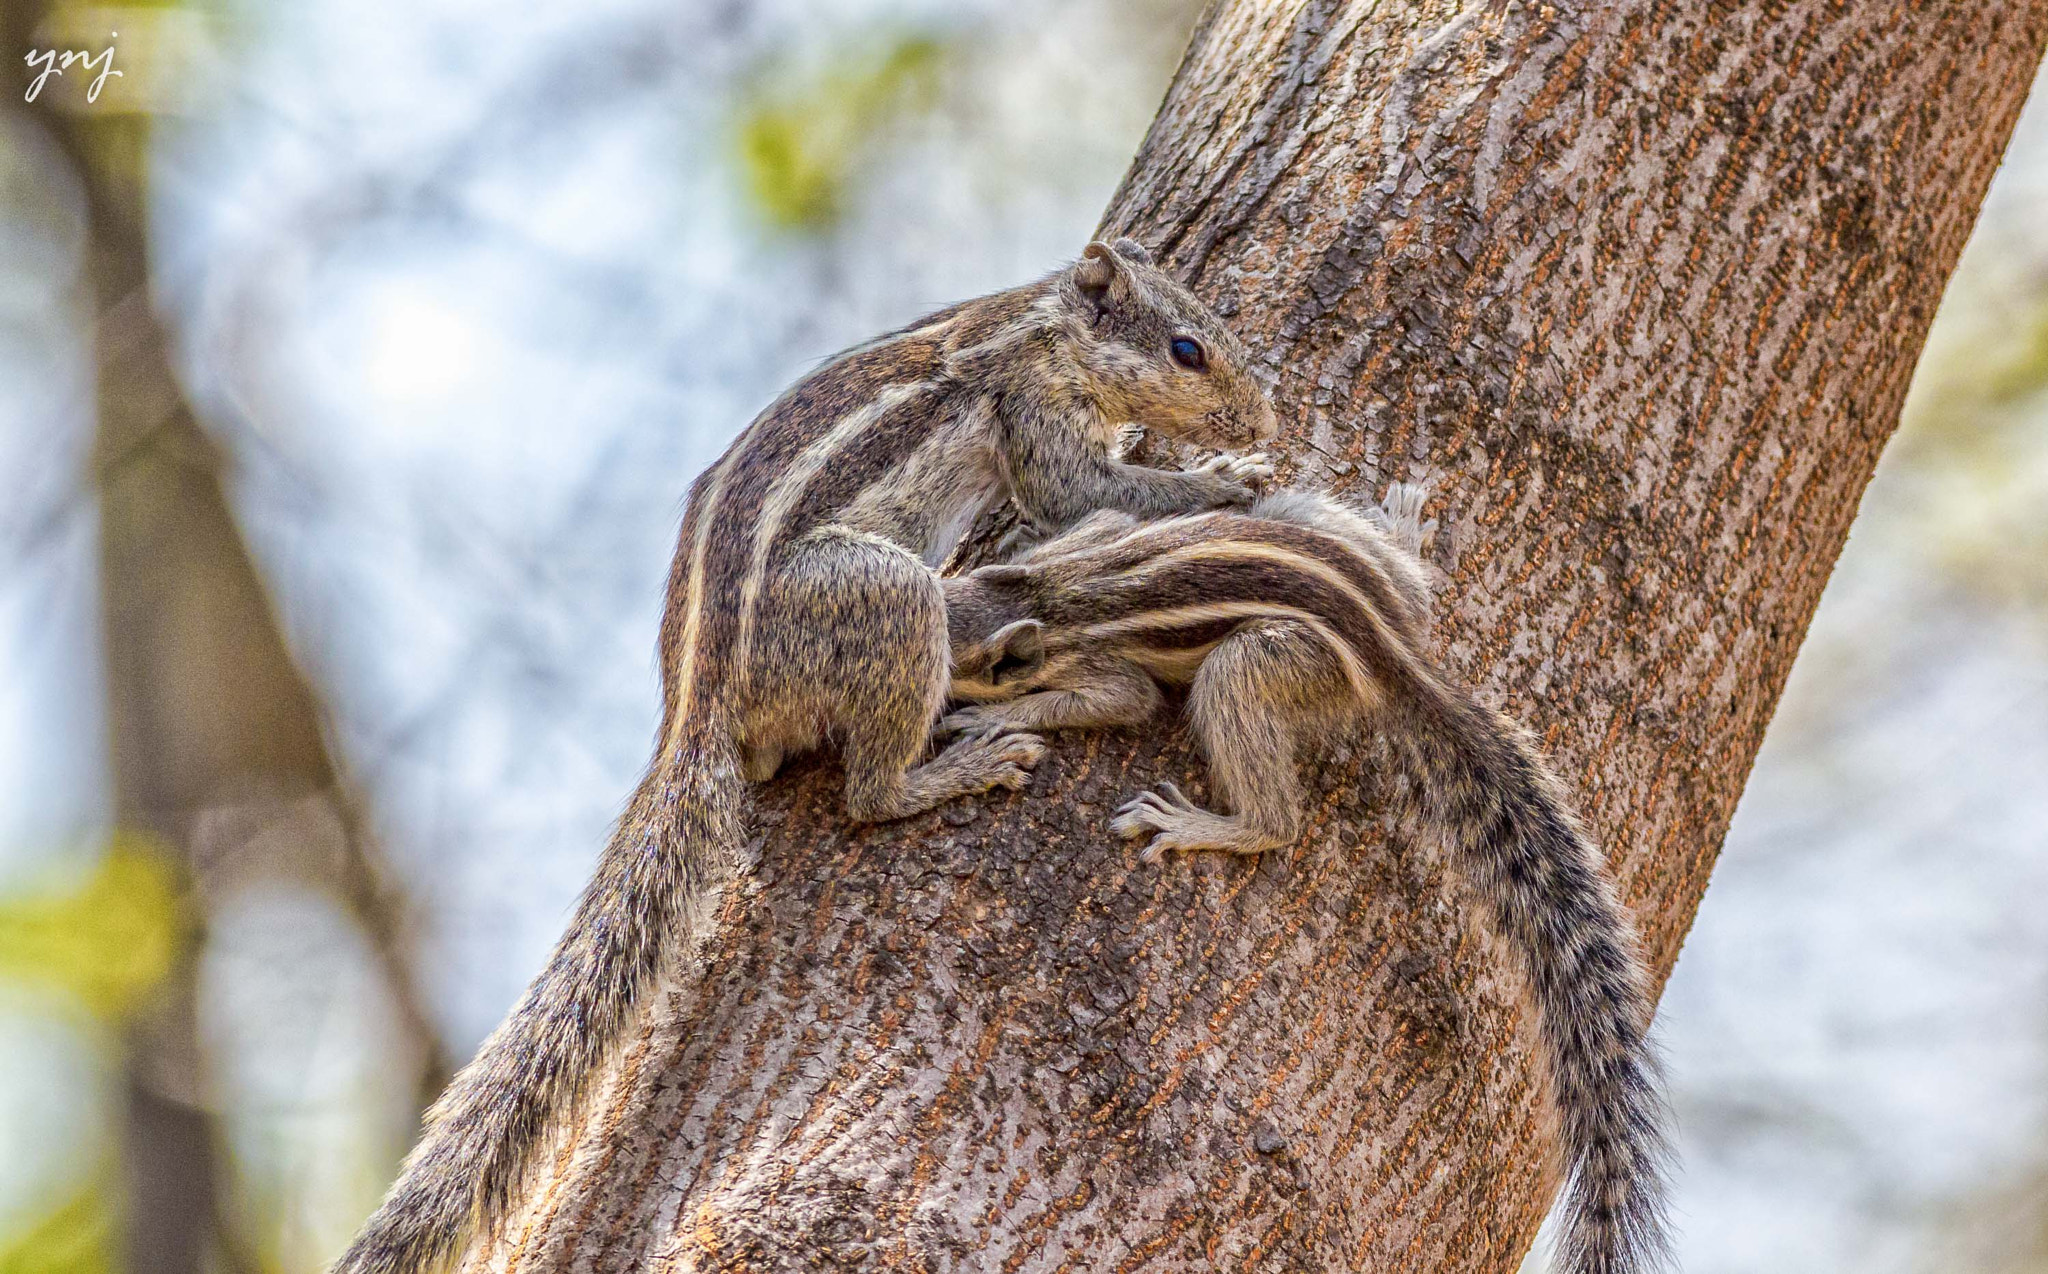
{"x":1513,"y":834}
{"x":658,"y":882}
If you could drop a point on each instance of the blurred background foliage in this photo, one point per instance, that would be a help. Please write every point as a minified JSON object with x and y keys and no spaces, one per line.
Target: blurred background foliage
{"x":353,"y":361}
{"x":804,"y":138}
{"x":104,"y":941}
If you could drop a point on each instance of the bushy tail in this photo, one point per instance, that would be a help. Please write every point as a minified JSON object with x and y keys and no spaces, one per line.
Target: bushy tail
{"x":657,"y":884}
{"x":1551,"y":898}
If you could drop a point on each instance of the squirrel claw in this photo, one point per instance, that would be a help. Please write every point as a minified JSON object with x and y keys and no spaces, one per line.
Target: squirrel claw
{"x":971,"y":723}
{"x":1254,"y":468}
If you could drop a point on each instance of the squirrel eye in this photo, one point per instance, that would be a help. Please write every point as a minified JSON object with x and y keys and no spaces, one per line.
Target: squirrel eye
{"x":1188,"y":353}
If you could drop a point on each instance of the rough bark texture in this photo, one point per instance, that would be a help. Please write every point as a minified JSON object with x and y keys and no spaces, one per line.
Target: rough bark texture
{"x":1638,"y":288}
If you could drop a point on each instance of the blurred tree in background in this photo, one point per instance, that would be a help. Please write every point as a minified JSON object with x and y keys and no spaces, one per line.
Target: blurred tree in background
{"x":220,"y":775}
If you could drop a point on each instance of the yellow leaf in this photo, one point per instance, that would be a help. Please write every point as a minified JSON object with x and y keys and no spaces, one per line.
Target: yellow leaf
{"x":107,"y":940}
{"x":76,"y":1238}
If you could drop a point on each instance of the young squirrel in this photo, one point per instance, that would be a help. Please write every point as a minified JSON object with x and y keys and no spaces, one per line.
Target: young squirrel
{"x":1290,"y":624}
{"x":803,"y":605}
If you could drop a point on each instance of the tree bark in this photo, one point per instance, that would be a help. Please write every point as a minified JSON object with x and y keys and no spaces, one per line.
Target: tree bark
{"x":1637,"y":288}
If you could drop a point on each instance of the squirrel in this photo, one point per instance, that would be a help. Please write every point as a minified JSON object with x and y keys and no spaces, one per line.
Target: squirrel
{"x":1291,"y":623}
{"x":803,"y":604}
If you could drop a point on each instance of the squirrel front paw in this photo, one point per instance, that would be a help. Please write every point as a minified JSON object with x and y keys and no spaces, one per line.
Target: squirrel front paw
{"x":995,"y":760}
{"x":973,"y":722}
{"x":1254,"y":468}
{"x":1236,"y":479}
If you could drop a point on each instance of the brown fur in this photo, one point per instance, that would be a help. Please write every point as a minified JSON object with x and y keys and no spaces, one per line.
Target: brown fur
{"x":802,"y":608}
{"x":1289,"y":624}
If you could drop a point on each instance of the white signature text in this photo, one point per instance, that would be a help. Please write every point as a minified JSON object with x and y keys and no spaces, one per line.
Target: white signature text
{"x":56,"y":62}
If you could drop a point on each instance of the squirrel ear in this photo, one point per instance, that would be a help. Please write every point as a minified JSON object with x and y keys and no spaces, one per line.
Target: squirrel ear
{"x":1096,"y":272}
{"x":1001,"y":573}
{"x":1132,"y":250}
{"x":1022,"y":647}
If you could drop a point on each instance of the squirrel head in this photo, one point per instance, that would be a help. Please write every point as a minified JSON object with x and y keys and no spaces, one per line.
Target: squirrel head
{"x":996,"y":616}
{"x":1147,"y":350}
{"x":998,"y":646}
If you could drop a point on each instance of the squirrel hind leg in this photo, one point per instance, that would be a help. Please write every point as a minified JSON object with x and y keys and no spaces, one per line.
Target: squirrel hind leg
{"x":1177,"y":825}
{"x":1255,"y":696}
{"x":879,"y":673}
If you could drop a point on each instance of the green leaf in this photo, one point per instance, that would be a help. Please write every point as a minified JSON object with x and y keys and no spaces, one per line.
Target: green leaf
{"x":802,"y":142}
{"x":109,"y":939}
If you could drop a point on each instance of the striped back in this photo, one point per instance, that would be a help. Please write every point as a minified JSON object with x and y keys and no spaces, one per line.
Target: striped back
{"x":1163,"y":594}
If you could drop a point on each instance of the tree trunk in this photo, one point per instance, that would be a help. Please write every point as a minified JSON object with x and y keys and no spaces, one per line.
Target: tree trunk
{"x":1637,"y":288}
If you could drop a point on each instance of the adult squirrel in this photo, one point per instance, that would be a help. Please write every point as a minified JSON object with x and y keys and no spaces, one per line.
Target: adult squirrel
{"x":803,"y":605}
